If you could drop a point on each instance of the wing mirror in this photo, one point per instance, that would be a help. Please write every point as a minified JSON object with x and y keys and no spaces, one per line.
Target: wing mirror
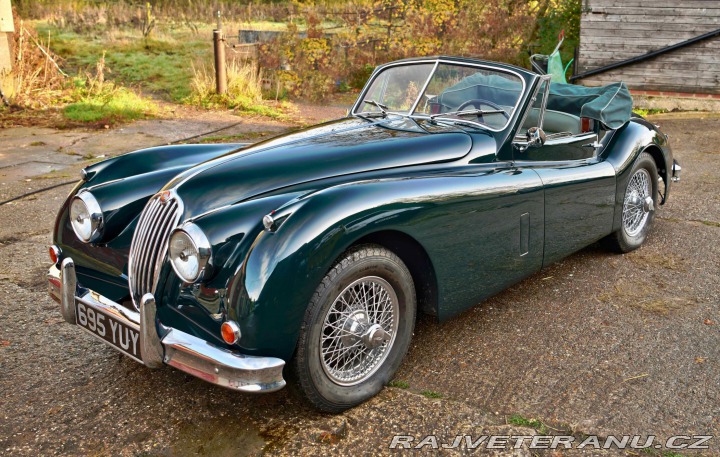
{"x":535,"y":137}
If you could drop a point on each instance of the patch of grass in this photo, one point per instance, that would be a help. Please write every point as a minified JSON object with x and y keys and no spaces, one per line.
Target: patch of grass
{"x":431,"y":394}
{"x":160,"y":65}
{"x":244,"y":91}
{"x":711,"y":223}
{"x":517,"y":419}
{"x":38,"y":143}
{"x":236,"y":137}
{"x":226,"y":138}
{"x":645,"y":112}
{"x":110,"y":105}
{"x":399,"y":384}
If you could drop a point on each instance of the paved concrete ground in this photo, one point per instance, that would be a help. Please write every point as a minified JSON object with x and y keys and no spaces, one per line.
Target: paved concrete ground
{"x":596,"y":344}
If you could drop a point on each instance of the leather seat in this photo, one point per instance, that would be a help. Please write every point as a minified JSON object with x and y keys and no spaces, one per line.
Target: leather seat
{"x":554,"y":122}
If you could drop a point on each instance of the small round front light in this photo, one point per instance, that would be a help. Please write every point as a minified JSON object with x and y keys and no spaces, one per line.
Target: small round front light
{"x":230,"y":332}
{"x":189,"y":252}
{"x":86,"y":217}
{"x":55,"y":254}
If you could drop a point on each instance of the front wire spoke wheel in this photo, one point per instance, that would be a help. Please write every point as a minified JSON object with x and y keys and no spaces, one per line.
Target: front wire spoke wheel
{"x":359,"y":330}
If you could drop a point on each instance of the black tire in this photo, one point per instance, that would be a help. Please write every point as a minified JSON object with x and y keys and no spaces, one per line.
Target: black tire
{"x":309,"y":366}
{"x":625,"y":240}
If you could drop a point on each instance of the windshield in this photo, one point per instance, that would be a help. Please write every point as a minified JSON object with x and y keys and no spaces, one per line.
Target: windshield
{"x":454,"y":92}
{"x":396,"y":88}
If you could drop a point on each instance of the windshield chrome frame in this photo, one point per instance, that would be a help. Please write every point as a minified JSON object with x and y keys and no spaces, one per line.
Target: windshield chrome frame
{"x":533,"y":98}
{"x":411,"y":113}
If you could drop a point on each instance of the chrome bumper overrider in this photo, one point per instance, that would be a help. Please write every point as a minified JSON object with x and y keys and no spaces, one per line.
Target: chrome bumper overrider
{"x":175,"y":348}
{"x":676,"y":169}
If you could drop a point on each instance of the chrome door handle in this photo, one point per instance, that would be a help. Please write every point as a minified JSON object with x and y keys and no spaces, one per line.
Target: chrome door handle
{"x":595,"y":145}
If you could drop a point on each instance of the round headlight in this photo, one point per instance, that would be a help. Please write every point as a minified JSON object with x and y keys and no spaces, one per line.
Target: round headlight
{"x":86,"y":217}
{"x":189,"y":252}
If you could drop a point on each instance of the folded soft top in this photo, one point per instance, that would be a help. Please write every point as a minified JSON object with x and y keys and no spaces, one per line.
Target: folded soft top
{"x":611,"y":104}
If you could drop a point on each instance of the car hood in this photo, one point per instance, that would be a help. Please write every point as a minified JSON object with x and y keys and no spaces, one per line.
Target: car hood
{"x":344,"y":147}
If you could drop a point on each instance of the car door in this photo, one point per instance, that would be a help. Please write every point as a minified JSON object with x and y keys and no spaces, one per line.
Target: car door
{"x":483,"y":232}
{"x":579,"y":186}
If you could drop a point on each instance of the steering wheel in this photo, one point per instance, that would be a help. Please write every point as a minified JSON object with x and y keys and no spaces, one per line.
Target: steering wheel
{"x":478,"y":102}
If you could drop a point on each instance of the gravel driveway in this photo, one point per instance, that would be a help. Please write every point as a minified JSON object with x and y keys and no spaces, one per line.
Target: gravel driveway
{"x":596,"y":344}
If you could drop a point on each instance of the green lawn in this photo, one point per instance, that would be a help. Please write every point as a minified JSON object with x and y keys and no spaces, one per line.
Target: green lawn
{"x":160,"y":65}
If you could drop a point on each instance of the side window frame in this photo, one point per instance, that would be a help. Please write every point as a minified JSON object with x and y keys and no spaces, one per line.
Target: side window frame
{"x":521,"y":141}
{"x":520,"y":138}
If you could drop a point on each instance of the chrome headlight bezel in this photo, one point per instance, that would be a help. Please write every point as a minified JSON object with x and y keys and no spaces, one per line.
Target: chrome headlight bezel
{"x":94,"y":213}
{"x":201,"y":246}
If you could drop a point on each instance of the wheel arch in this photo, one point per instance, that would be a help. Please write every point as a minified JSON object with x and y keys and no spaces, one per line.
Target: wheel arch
{"x":659,"y":159}
{"x":417,"y":260}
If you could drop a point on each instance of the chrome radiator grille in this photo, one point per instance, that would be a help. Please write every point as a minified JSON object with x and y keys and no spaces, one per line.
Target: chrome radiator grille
{"x":150,"y":242}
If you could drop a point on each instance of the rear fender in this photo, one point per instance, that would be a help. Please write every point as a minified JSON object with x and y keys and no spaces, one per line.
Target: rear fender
{"x":622,"y":149}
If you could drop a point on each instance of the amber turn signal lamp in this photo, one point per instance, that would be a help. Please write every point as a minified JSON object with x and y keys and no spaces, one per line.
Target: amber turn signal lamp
{"x":230,"y":332}
{"x":54,"y":254}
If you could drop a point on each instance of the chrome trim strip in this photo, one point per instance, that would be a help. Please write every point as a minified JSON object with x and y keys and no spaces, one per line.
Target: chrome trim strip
{"x":173,"y":347}
{"x":412,"y":109}
{"x":574,"y":139}
{"x":438,"y":61}
{"x":541,"y":118}
{"x":532,"y":101}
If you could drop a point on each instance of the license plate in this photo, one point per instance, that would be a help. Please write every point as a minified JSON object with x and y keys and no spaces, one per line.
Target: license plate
{"x":109,"y":329}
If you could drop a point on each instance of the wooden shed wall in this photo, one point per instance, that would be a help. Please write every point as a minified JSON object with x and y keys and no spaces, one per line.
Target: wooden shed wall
{"x":615,"y":30}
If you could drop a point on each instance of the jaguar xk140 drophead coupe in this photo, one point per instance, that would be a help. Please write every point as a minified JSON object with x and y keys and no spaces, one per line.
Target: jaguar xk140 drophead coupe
{"x":449,"y":180}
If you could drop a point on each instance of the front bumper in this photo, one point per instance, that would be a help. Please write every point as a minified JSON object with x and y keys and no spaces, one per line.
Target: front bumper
{"x":160,"y":344}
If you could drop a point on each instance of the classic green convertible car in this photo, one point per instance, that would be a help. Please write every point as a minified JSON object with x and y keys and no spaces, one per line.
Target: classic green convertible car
{"x":449,"y":180}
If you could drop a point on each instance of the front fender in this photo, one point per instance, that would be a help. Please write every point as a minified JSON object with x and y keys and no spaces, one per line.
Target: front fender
{"x":284,"y":267}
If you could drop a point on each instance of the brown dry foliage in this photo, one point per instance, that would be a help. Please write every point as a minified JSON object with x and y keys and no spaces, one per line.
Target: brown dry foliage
{"x":368,"y":33}
{"x":36,"y":80}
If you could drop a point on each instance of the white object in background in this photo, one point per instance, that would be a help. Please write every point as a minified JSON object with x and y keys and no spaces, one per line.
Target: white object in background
{"x":6,"y":19}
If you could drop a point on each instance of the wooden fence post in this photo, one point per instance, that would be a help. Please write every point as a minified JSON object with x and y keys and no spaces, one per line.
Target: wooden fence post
{"x":220,"y":71}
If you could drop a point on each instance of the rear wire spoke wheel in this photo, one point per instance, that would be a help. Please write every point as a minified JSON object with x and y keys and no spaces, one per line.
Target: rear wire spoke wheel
{"x":357,"y":329}
{"x":639,"y":204}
